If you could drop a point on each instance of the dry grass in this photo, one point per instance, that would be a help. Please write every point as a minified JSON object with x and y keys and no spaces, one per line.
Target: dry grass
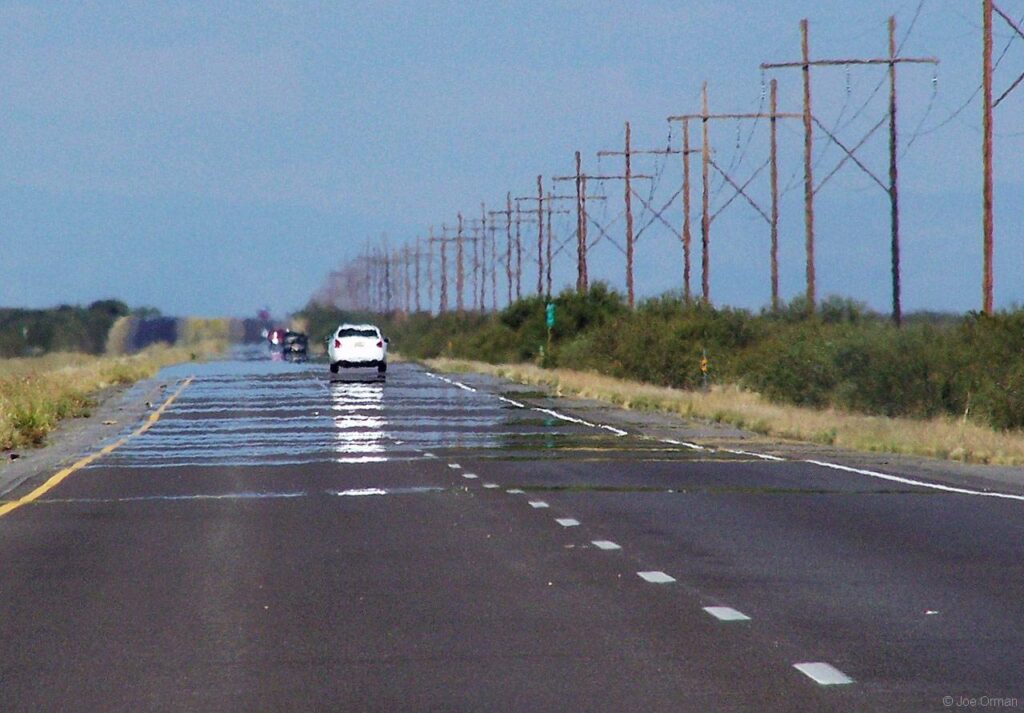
{"x":36,"y":393}
{"x":951,"y":439}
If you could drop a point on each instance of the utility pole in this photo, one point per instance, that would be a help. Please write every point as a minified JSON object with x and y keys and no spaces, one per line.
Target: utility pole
{"x":892,"y":189}
{"x":543,"y":200}
{"x":582,"y":246}
{"x":406,"y":282}
{"x":627,"y":153}
{"x":986,"y":157}
{"x":460,"y":275}
{"x":419,"y":254}
{"x":443,"y":241}
{"x":483,"y":237}
{"x":508,"y":240}
{"x":988,"y":186}
{"x":771,"y":217}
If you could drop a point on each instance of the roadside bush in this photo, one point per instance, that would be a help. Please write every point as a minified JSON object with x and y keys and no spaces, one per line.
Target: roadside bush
{"x":842,"y":356}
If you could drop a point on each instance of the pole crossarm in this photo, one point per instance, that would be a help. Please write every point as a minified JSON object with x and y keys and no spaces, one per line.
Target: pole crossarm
{"x":844,"y":62}
{"x":740,"y":190}
{"x":850,"y":153}
{"x":642,"y":152}
{"x":754,"y":115}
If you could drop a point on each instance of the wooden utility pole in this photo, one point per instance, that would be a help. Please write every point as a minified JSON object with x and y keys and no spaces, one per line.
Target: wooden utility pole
{"x":406,"y":281}
{"x":543,"y":201}
{"x":520,"y":219}
{"x":507,"y":213}
{"x":892,"y":189}
{"x":988,"y":185}
{"x":547,"y":291}
{"x":687,"y":295}
{"x":771,"y":217}
{"x":419,"y":254}
{"x":986,"y":156}
{"x":443,"y":241}
{"x":581,"y":217}
{"x":705,"y":220}
{"x":627,"y":177}
{"x":580,"y":180}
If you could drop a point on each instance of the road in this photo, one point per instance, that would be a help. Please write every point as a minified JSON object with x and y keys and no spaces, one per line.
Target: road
{"x":275,"y":540}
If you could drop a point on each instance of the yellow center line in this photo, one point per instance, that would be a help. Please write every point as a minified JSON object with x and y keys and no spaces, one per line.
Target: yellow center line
{"x":54,"y":480}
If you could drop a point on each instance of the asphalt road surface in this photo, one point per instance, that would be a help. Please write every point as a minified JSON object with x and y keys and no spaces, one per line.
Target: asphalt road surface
{"x":278,"y":540}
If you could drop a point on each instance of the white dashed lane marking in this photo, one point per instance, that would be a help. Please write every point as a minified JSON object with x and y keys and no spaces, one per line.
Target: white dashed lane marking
{"x":656,"y":577}
{"x":455,"y":466}
{"x":469,"y":476}
{"x":726,"y":614}
{"x":538,"y":504}
{"x":567,"y":521}
{"x":515,"y":491}
{"x":491,"y":486}
{"x":823,"y":673}
{"x":605,"y":545}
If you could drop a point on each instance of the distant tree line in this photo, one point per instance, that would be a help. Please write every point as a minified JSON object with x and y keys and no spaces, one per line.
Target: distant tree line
{"x":67,"y":328}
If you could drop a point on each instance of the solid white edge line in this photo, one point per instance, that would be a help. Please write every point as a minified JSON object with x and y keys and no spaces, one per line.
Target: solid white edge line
{"x":691,"y":446}
{"x":765,"y":456}
{"x":726,"y":614}
{"x":823,"y":673}
{"x":918,"y":483}
{"x":567,"y":521}
{"x":762,"y":456}
{"x":613,"y":429}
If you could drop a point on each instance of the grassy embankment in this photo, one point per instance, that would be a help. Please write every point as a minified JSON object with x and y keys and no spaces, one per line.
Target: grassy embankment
{"x":36,"y":393}
{"x":942,"y":385}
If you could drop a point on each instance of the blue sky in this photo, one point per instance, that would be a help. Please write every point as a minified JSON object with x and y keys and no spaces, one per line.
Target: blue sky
{"x":215,"y":157}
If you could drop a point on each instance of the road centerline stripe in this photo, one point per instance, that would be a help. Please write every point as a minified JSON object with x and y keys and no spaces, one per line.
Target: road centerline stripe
{"x":726,"y":614}
{"x":57,"y":478}
{"x":656,"y":577}
{"x":823,"y":673}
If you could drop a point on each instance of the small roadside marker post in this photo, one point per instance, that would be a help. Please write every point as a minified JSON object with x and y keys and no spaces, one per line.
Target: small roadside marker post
{"x":549,"y":319}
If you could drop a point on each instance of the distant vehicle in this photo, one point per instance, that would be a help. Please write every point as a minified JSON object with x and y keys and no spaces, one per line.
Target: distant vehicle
{"x":276,"y":337}
{"x":295,"y":345}
{"x":357,"y":345}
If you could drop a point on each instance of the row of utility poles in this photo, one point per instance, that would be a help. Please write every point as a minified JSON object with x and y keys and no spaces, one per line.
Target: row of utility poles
{"x":382,"y":276}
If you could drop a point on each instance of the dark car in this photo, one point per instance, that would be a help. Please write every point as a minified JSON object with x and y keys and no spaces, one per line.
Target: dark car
{"x":295,"y":345}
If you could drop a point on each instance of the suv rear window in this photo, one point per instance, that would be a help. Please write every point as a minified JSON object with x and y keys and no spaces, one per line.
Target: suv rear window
{"x":371,"y":333}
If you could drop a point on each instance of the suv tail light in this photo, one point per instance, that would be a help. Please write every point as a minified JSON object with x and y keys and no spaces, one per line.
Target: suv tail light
{"x":337,"y":343}
{"x":380,"y":344}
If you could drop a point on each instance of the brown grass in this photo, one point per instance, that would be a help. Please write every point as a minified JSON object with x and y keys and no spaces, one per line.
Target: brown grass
{"x":37,"y":393}
{"x":951,"y":439}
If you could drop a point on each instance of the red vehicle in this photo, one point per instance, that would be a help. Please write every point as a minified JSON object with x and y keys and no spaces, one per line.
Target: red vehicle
{"x":276,"y":337}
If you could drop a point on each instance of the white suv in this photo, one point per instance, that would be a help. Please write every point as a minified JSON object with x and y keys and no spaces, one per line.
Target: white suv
{"x":358,"y":345}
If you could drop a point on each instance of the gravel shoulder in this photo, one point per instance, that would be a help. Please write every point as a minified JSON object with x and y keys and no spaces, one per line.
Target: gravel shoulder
{"x":117,"y":410}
